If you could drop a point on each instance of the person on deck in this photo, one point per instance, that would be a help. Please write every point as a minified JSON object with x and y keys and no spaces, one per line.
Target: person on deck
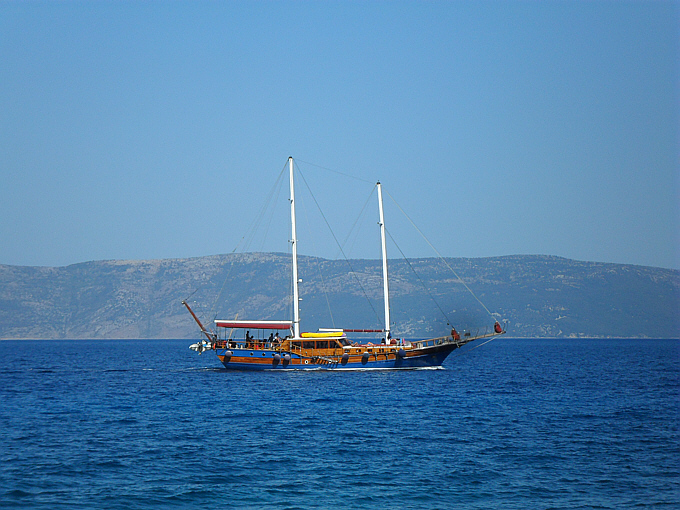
{"x":454,"y":334}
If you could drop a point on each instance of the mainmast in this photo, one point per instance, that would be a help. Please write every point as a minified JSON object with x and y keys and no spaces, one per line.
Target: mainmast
{"x":296,"y":293}
{"x":386,"y":288}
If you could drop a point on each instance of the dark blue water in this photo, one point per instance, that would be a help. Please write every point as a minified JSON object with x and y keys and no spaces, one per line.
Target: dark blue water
{"x":513,"y":424}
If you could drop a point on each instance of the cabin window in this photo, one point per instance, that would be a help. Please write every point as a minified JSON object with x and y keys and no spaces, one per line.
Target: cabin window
{"x":308,"y":344}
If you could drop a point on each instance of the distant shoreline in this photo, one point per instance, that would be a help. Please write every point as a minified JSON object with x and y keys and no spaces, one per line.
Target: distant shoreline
{"x":538,"y":296}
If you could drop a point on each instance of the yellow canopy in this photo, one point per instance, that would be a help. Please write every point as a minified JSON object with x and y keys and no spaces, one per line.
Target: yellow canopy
{"x":328,"y":334}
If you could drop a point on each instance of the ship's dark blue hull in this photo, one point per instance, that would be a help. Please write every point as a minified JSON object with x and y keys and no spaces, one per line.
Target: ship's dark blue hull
{"x":269,"y":359}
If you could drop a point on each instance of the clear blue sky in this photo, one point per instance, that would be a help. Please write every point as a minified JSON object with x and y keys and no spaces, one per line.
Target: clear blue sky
{"x":138,"y":130}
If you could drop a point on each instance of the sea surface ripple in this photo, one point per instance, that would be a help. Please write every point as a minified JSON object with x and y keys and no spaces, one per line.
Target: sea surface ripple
{"x":517,"y":423}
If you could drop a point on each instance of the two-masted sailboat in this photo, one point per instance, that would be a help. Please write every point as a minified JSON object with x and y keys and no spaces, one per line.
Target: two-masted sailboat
{"x":326,"y":348}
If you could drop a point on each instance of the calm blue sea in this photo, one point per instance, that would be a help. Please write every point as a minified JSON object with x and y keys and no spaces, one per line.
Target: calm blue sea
{"x":516,"y":424}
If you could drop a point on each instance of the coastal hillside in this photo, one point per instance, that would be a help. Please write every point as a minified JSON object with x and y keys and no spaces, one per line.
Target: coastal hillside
{"x":538,"y":296}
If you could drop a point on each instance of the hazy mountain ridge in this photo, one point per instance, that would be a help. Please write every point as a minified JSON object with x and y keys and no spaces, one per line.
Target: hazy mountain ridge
{"x":538,"y":295}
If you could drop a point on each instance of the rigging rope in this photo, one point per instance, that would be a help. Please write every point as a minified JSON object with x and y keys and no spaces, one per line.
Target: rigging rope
{"x":360,"y":216}
{"x":334,"y":171}
{"x":247,"y":239}
{"x":465,"y":351}
{"x":254,"y":226}
{"x":250,"y":232}
{"x":439,"y":255}
{"x":318,"y":263}
{"x":448,"y":322}
{"x":338,"y":243}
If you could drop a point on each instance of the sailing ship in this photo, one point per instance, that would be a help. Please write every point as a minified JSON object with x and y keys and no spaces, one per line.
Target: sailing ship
{"x":329,"y":349}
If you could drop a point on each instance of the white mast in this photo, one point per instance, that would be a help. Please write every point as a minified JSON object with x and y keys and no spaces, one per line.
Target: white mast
{"x":296,"y":293}
{"x":386,"y":288}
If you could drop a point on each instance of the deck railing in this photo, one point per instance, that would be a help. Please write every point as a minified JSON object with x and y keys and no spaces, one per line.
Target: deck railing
{"x":467,"y":337}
